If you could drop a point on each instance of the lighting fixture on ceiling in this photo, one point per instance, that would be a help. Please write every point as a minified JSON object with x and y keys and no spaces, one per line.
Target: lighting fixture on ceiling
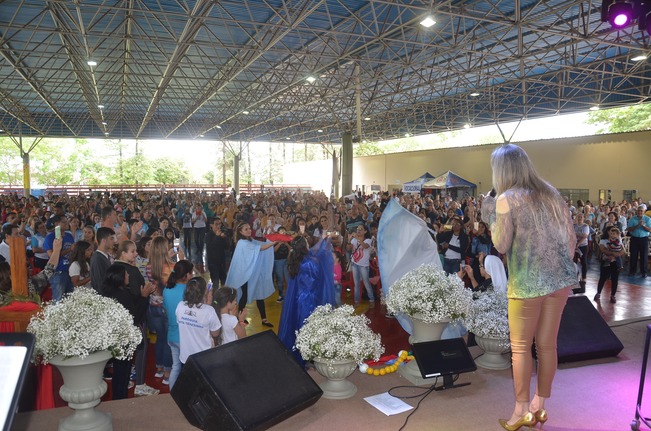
{"x":619,"y":13}
{"x":219,"y":127}
{"x":245,"y":112}
{"x":310,"y":79}
{"x":91,"y":63}
{"x":367,"y":118}
{"x":320,"y":130}
{"x":640,"y":57}
{"x":1,"y":130}
{"x":622,"y":13}
{"x":466,"y":126}
{"x":644,"y":22}
{"x":428,"y":22}
{"x":594,"y":108}
{"x":475,"y":94}
{"x":100,"y":106}
{"x":104,"y":123}
{"x":407,"y":135}
{"x":106,"y":133}
{"x":287,"y":138}
{"x":201,"y":136}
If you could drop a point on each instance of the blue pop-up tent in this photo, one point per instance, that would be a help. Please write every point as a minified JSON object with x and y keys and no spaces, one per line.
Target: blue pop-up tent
{"x":415,"y":186}
{"x":448,"y":180}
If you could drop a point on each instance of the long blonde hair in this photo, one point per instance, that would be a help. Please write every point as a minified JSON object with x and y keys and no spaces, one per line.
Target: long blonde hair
{"x":158,"y":257}
{"x":512,"y":169}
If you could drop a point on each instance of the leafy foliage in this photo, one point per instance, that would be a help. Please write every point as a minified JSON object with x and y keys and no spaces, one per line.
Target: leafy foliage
{"x":618,"y":120}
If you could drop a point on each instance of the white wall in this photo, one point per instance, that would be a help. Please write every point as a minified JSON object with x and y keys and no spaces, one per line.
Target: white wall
{"x":617,"y":162}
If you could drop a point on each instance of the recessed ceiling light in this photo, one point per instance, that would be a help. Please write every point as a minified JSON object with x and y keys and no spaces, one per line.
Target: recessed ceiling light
{"x":245,"y":112}
{"x":367,"y":118}
{"x":320,"y":130}
{"x":1,"y":130}
{"x":466,"y":126}
{"x":287,"y":138}
{"x":106,"y":133}
{"x":92,"y":63}
{"x":100,"y":106}
{"x":407,"y":135}
{"x":639,"y":57}
{"x":104,"y":123}
{"x":474,"y":94}
{"x":219,"y":127}
{"x":310,"y":79}
{"x":594,"y":108}
{"x":201,"y":136}
{"x":428,"y":22}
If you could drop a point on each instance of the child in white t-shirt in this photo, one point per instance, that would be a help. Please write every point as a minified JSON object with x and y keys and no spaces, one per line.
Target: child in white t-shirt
{"x":233,"y":322}
{"x":197,"y":320}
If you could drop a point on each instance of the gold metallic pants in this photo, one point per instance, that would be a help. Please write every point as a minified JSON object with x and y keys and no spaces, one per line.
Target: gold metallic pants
{"x":540,"y":318}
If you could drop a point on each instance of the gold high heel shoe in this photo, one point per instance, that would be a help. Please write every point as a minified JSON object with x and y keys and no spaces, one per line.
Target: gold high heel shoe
{"x":541,"y":417}
{"x":528,"y":420}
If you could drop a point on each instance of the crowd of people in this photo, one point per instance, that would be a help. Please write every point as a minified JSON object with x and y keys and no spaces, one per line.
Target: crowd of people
{"x":155,"y":252}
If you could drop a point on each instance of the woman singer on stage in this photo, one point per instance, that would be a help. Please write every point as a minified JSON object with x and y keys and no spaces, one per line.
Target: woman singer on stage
{"x":531,"y":224}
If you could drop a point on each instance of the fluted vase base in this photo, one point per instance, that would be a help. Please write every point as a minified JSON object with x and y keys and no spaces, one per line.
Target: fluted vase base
{"x":83,"y":388}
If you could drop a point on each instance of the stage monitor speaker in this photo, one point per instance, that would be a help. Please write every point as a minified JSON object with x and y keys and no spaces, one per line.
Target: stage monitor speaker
{"x":249,"y":384}
{"x":584,"y":334}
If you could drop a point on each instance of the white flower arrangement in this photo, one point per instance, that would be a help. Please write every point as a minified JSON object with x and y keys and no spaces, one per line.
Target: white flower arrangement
{"x":430,"y":294}
{"x":337,"y":333}
{"x":488,"y":318}
{"x":82,"y":323}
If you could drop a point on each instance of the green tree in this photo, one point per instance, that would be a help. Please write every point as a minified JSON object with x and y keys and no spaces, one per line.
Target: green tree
{"x":94,"y":172}
{"x":59,"y":161}
{"x":136,"y":169}
{"x":11,"y":165}
{"x":618,"y":120}
{"x":170,"y":171}
{"x":367,"y":149}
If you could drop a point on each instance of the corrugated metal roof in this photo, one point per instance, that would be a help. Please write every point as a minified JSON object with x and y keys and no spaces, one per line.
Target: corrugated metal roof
{"x":181,"y":69}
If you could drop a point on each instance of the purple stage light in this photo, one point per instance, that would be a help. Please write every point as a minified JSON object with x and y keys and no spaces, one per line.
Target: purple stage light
{"x":620,"y":20}
{"x":620,"y":14}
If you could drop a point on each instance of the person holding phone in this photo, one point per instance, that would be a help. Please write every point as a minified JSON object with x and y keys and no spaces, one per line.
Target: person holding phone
{"x":454,"y":245}
{"x":199,"y":223}
{"x":359,"y":246}
{"x":60,"y":280}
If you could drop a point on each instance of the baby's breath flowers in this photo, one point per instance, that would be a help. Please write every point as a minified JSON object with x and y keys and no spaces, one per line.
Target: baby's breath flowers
{"x":337,"y":333}
{"x":429,"y":294}
{"x":82,"y":323}
{"x":488,"y":318}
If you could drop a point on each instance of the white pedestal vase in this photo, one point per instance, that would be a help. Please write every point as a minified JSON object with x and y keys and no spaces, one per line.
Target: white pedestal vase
{"x":83,"y":387}
{"x":423,"y":332}
{"x":497,"y":353}
{"x":336,"y":371}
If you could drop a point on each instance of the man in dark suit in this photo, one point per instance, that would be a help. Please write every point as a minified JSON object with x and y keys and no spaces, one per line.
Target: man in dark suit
{"x":101,"y":258}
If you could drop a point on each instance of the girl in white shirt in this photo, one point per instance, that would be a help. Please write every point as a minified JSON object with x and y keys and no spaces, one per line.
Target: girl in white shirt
{"x":197,"y":320}
{"x":225,"y":302}
{"x":79,"y":269}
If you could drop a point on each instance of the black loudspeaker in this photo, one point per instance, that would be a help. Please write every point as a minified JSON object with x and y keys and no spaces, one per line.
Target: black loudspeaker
{"x":584,"y":334}
{"x":249,"y":384}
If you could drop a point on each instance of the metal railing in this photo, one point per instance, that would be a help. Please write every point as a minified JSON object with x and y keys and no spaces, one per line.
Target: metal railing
{"x":74,"y":189}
